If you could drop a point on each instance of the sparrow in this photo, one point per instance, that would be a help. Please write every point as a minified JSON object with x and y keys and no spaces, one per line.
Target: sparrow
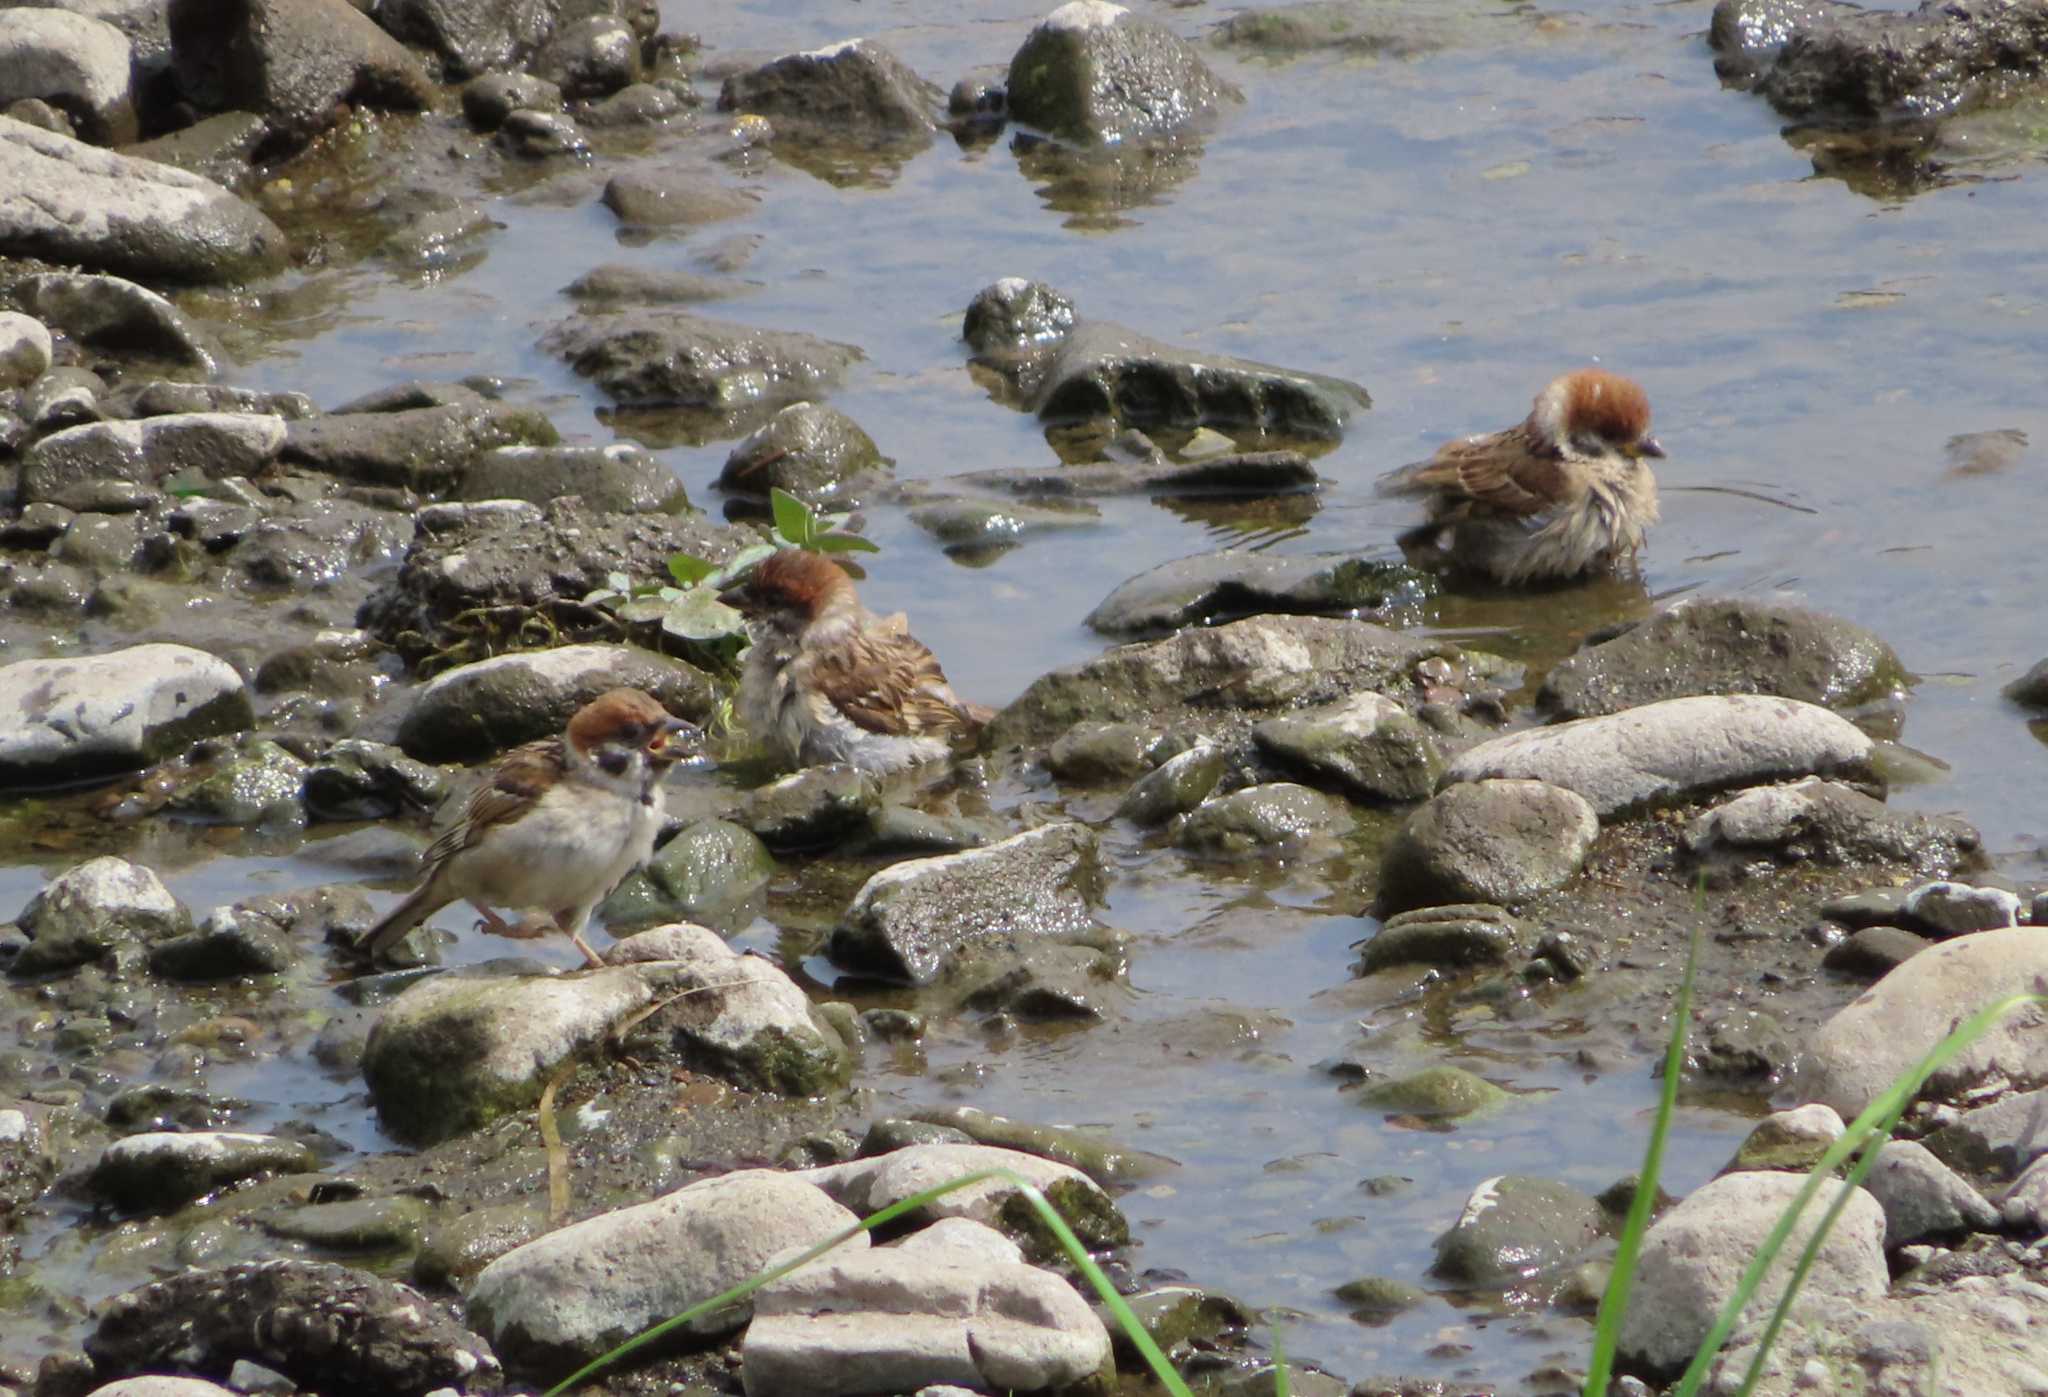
{"x":826,"y":680}
{"x":1567,"y":492}
{"x":558,"y":823}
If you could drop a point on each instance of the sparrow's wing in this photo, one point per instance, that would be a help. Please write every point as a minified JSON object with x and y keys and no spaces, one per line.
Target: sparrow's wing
{"x":1504,"y":471}
{"x":521,"y":777}
{"x":886,"y":681}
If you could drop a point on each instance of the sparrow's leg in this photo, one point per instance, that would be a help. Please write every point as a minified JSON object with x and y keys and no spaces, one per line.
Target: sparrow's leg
{"x":573,"y":920}
{"x":490,"y":922}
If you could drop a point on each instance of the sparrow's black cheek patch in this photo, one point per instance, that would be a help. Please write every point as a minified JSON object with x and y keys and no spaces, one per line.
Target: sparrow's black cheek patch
{"x":614,"y":761}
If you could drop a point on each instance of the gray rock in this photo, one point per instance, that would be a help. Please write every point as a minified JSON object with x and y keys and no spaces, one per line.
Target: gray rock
{"x":1364,"y":28}
{"x":1367,"y":745}
{"x":641,"y":358}
{"x":934,"y":1308}
{"x":1434,"y":1092}
{"x":477,"y":710}
{"x":428,"y":449}
{"x":617,"y":284}
{"x":1999,"y":1139}
{"x":1499,"y":841}
{"x":455,"y":1249}
{"x":534,"y":135}
{"x":908,"y":922}
{"x":1747,"y":35}
{"x":2030,"y":688}
{"x":76,"y":720}
{"x":1825,"y":822}
{"x":668,"y":198}
{"x":1175,"y":787}
{"x":1956,"y":909}
{"x":578,"y":1291}
{"x":1102,"y":371}
{"x":869,"y":1185}
{"x":476,"y":36}
{"x":28,"y":1157}
{"x":157,"y":397}
{"x":490,"y":99}
{"x":75,"y":467}
{"x":1515,"y":1227}
{"x":985,"y":525}
{"x":619,"y":479}
{"x":114,"y":316}
{"x":162,"y":1170}
{"x":1457,"y":935}
{"x":1262,"y":664}
{"x":591,"y":56}
{"x":317,"y":544}
{"x":249,"y":782}
{"x":1674,"y":750}
{"x":298,"y":63}
{"x":1870,"y":907}
{"x":133,"y":217}
{"x":1093,"y":72}
{"x":231,"y":942}
{"x":1694,"y":1254}
{"x":1246,"y":474}
{"x":157,"y":1385}
{"x":854,"y":91}
{"x":77,"y":63}
{"x":24,"y":349}
{"x":352,"y":1225}
{"x":811,"y":808}
{"x":707,"y":869}
{"x":222,"y":147}
{"x":328,"y":1328}
{"x":1731,"y":646}
{"x":900,"y":830}
{"x":814,"y":452}
{"x":1211,"y":587}
{"x":2025,"y":1205}
{"x":1790,"y":1141}
{"x":1923,"y":1199}
{"x":640,"y":104}
{"x":358,"y":780}
{"x":1858,"y":1053}
{"x":1278,"y":818}
{"x":1102,"y":753}
{"x":1873,"y":952}
{"x":1743,"y":1047}
{"x":91,"y":909}
{"x":1014,"y":314}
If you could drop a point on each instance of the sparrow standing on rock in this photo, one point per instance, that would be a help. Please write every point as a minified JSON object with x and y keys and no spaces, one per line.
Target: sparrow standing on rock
{"x":828,"y":681}
{"x":1567,"y":492}
{"x":559,"y":823}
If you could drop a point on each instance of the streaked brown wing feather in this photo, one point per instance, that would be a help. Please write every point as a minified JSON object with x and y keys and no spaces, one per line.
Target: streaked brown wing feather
{"x":1502,"y":471}
{"x":520,"y":778}
{"x":887,"y":682}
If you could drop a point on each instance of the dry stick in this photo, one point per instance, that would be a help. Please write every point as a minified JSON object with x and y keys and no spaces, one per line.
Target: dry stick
{"x":558,"y":1157}
{"x":643,"y":1014}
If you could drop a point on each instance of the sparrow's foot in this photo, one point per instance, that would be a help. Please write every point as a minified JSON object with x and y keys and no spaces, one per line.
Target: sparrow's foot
{"x":490,"y":923}
{"x":524,"y":931}
{"x":597,"y":961}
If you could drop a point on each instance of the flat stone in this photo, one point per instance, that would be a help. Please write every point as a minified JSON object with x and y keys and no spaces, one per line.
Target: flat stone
{"x":1515,"y":1227}
{"x":642,"y":358}
{"x":1212,"y":587}
{"x":1674,"y":750}
{"x":1440,"y":936}
{"x":429,"y":448}
{"x":1923,"y":1199}
{"x":1434,"y":1092}
{"x":1873,"y":952}
{"x":114,"y":316}
{"x":477,"y":710}
{"x":78,"y":720}
{"x":668,"y":198}
{"x":621,"y":478}
{"x":1812,"y":821}
{"x":852,"y":91}
{"x":868,"y":1185}
{"x":1956,"y":909}
{"x":1276,"y":818}
{"x":158,"y":1171}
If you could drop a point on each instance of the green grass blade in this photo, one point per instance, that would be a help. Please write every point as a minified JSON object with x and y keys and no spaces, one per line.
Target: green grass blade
{"x":1890,"y":1104}
{"x":1614,"y":1302}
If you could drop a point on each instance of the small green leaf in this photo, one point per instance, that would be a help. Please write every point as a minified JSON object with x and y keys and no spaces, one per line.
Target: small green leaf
{"x":603,"y":596}
{"x":700,"y":616}
{"x":792,"y":517}
{"x":827,"y":523}
{"x":618,"y":582}
{"x":846,"y":543}
{"x":688,"y":569}
{"x":640,"y":610}
{"x":739,"y":565}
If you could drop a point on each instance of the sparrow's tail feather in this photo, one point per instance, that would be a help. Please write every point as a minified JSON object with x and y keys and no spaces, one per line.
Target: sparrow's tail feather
{"x":977,"y":715}
{"x":425,"y":901}
{"x":1402,"y":480}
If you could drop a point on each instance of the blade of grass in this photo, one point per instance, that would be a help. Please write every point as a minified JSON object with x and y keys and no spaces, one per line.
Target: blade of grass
{"x":1891,"y":1103}
{"x":1614,"y":1302}
{"x":1049,"y":1215}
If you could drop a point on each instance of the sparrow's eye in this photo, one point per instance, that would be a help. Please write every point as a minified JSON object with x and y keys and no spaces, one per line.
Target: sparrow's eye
{"x":614,"y":760}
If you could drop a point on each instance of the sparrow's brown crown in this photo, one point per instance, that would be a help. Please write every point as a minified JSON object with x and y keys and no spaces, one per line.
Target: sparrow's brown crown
{"x":1595,"y":403}
{"x":795,"y":580}
{"x":624,"y":718}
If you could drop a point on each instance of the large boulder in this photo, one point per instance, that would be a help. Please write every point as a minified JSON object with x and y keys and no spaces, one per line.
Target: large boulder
{"x":477,"y":710}
{"x":66,"y":201}
{"x":1733,"y":646}
{"x":1095,"y":73}
{"x":298,"y":63}
{"x":67,"y":721}
{"x":1212,"y":587}
{"x":1675,"y":750}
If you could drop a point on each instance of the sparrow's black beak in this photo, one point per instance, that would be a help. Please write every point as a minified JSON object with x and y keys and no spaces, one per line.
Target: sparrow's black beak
{"x":673,"y":741}
{"x":1648,"y":447}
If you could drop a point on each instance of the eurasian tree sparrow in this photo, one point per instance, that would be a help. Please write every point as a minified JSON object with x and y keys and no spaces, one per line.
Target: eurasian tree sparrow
{"x":1566,"y":492}
{"x":828,"y":681}
{"x":558,"y":823}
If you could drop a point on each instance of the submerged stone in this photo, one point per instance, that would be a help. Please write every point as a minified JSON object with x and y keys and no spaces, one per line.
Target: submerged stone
{"x":1094,"y":72}
{"x":1212,"y":587}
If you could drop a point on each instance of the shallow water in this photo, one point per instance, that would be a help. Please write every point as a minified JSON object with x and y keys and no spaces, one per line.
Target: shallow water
{"x":1449,"y":230}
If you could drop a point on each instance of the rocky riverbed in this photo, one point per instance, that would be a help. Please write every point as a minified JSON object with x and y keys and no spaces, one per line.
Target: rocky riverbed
{"x":1305,"y":925}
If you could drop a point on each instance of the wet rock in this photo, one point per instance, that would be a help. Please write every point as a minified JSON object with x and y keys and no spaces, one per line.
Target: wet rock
{"x":1826,"y":822}
{"x":1277,"y":818}
{"x":1956,"y":909}
{"x":427,"y":449}
{"x":619,"y":479}
{"x":1014,"y":314}
{"x":472,"y":37}
{"x":812,"y":808}
{"x":1843,"y":62}
{"x":1175,"y":787}
{"x":592,"y":56}
{"x":857,"y":91}
{"x":298,"y":63}
{"x":1747,"y":35}
{"x":114,"y":316}
{"x":1789,"y":1141}
{"x":668,"y":198}
{"x":1870,"y":907}
{"x":1873,"y":952}
{"x":1498,"y":841}
{"x":640,"y":104}
{"x":1674,"y":750}
{"x":157,"y":397}
{"x":945,"y":1305}
{"x":909,"y":921}
{"x":900,"y":830}
{"x":869,"y":1185}
{"x":675,"y":359}
{"x":1434,"y":1092}
{"x":1742,"y":1048}
{"x":222,"y":148}
{"x":740,"y":1017}
{"x":1042,"y":983}
{"x":316,"y":544}
{"x":708,"y":868}
{"x":358,"y":780}
{"x":454,"y":1249}
{"x":1102,"y":371}
{"x":534,"y":135}
{"x":133,"y":217}
{"x":980,"y":525}
{"x":623,"y":284}
{"x":490,"y":99}
{"x":326,"y":1327}
{"x":1694,"y":1254}
{"x":1245,"y":474}
{"x":1863,"y":1048}
{"x":1923,"y":1199}
{"x":161,"y":1170}
{"x":352,"y":1224}
{"x":252,"y":781}
{"x":93,"y":908}
{"x":1733,"y":646}
{"x":1459,"y":935}
{"x":1099,"y":1157}
{"x":1264,"y":663}
{"x":1211,"y":587}
{"x":1360,"y":27}
{"x":2030,"y":688}
{"x":73,"y":720}
{"x":1999,"y":1140}
{"x":2025,"y":1204}
{"x":1094,"y":72}
{"x":74,"y":61}
{"x":231,"y":942}
{"x":814,"y":452}
{"x":73,"y":467}
{"x":24,"y":349}
{"x":28,"y":1158}
{"x":1515,"y":1226}
{"x":568,"y":1296}
{"x":157,"y":1385}
{"x":1094,"y":754}
{"x":1367,"y":745}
